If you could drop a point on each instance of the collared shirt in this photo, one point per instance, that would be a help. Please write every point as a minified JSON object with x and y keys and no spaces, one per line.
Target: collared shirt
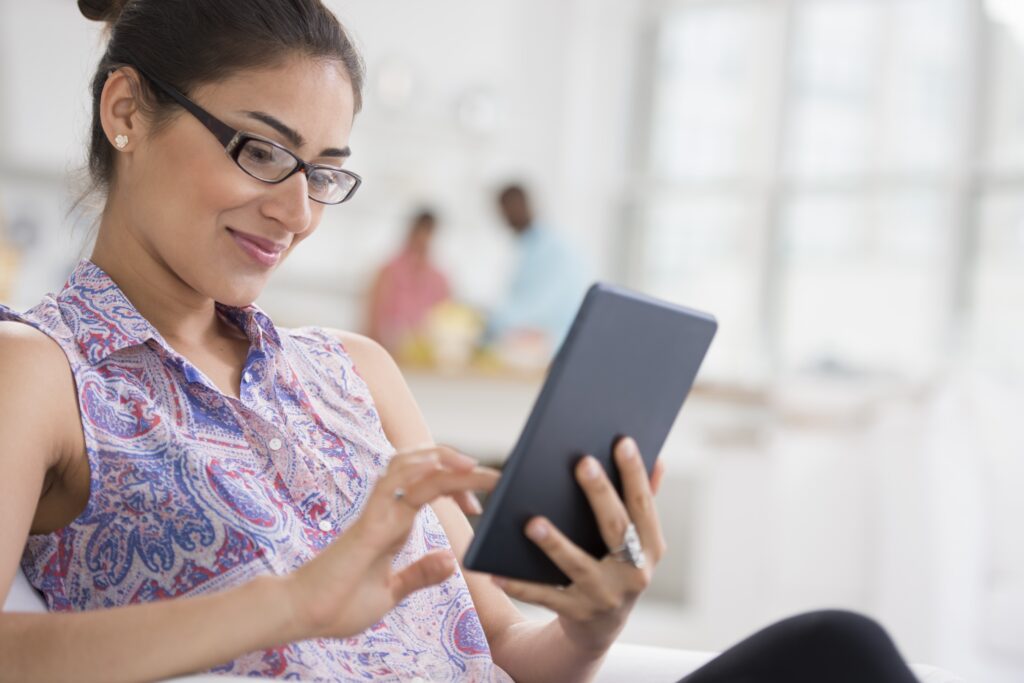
{"x":193,"y":491}
{"x":546,"y":288}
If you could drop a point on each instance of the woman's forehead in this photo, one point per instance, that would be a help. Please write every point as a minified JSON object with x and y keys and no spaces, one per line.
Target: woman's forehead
{"x":314,"y":97}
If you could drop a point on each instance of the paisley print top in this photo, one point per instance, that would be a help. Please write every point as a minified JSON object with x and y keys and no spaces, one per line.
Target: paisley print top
{"x":193,"y":491}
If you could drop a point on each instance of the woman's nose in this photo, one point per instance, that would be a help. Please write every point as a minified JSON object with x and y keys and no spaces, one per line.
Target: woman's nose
{"x":289,"y":203}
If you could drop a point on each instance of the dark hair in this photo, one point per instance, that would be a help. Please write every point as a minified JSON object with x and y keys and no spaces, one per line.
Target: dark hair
{"x":423,"y":218}
{"x":190,"y":42}
{"x":513,"y":191}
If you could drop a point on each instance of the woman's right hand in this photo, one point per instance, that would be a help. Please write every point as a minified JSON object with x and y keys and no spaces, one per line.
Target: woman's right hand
{"x":351,"y":584}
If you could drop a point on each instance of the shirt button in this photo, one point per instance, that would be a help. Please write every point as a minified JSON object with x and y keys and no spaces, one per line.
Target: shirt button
{"x":247,"y":378}
{"x":275,"y":444}
{"x":325,"y":525}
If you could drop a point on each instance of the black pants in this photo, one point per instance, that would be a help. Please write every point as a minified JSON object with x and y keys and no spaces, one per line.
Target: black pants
{"x":820,"y":647}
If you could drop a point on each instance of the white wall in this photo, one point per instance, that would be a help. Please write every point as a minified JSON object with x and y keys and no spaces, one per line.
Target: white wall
{"x":47,"y":53}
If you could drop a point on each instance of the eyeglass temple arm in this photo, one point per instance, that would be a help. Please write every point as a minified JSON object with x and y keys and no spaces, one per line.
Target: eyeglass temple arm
{"x":224,"y":133}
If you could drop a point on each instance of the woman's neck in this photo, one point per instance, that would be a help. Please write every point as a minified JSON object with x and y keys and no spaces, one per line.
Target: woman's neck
{"x":182,"y":315}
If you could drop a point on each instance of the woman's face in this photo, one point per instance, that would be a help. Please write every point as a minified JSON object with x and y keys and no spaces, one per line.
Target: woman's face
{"x":217,"y":229}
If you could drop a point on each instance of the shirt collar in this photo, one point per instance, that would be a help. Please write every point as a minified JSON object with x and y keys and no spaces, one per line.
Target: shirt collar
{"x":256,"y":324}
{"x":104,"y":321}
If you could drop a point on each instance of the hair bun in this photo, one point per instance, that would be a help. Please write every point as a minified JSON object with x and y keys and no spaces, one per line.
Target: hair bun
{"x":101,"y":10}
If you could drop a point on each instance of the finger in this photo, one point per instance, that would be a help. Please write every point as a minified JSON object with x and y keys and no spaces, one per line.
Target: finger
{"x":404,"y":473}
{"x":636,"y":490}
{"x":432,"y":568}
{"x":405,"y":469}
{"x":395,"y":511}
{"x":455,"y":459}
{"x":581,"y":568}
{"x":401,"y":464}
{"x":556,"y":599}
{"x":446,"y":456}
{"x":447,"y":483}
{"x":468,"y":502}
{"x":609,"y":510}
{"x":656,"y":475}
{"x":398,"y":496}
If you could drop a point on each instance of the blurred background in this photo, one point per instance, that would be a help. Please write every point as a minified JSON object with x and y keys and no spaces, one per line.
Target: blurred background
{"x":841,"y":182}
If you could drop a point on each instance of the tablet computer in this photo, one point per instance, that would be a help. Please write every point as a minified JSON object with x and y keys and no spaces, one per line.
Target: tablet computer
{"x":624,"y":369}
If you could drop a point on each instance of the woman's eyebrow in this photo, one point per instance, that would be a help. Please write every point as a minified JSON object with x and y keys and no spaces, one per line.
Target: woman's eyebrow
{"x":293,"y":136}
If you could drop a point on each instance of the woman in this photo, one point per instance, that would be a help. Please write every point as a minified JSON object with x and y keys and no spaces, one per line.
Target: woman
{"x":187,"y":448}
{"x":163,"y":439}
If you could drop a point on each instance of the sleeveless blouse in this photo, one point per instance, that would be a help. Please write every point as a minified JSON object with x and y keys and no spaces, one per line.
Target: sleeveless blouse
{"x":193,"y":491}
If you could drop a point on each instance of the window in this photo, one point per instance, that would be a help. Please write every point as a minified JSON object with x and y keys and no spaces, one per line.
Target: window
{"x":840,"y":181}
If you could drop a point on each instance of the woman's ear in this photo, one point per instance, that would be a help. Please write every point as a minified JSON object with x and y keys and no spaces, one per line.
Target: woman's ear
{"x":120,"y":111}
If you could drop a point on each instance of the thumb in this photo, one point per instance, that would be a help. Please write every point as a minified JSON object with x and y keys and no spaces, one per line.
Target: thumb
{"x":430,"y":569}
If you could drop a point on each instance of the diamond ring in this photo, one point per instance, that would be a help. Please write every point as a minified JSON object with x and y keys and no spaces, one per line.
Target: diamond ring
{"x":630,"y":551}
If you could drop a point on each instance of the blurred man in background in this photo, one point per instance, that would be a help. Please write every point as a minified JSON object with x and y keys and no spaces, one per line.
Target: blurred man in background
{"x":546,"y":287}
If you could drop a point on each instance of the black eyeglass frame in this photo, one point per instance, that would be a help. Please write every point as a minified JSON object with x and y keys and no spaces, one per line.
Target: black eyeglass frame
{"x":234,"y":140}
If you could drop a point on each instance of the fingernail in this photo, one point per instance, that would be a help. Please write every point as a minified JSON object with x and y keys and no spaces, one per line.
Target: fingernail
{"x":538,"y":531}
{"x":629,"y":448}
{"x":590,"y":467}
{"x":474,"y":503}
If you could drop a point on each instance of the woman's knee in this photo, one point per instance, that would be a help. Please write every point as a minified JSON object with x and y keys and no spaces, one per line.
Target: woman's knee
{"x":841,"y":628}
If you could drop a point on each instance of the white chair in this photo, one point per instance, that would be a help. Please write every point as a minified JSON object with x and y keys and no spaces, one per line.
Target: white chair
{"x":625,"y":663}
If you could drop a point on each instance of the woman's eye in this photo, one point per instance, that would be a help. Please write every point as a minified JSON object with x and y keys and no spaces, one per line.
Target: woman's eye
{"x":321,"y":181}
{"x":259,"y":153}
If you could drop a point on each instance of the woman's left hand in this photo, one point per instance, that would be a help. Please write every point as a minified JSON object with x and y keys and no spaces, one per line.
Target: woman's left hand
{"x":594,"y":607}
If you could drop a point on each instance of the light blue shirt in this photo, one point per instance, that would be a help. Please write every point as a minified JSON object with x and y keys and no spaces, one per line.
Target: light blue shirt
{"x":546,"y":288}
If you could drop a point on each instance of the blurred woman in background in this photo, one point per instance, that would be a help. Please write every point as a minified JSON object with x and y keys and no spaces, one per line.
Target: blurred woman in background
{"x":407,"y":287}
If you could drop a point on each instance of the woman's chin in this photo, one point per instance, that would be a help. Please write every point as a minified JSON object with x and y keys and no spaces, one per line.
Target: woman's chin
{"x":240,"y":291}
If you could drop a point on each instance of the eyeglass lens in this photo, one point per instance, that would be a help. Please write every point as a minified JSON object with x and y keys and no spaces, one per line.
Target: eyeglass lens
{"x":271,"y":163}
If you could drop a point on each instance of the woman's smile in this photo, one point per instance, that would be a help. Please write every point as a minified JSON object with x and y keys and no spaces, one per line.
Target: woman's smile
{"x":264,"y":252}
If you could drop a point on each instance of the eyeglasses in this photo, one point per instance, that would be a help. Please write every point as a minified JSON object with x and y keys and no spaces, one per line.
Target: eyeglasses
{"x":267,"y":160}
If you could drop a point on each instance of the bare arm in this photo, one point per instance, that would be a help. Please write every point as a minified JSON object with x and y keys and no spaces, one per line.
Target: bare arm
{"x":527,"y":650}
{"x":339,"y":593}
{"x":38,"y":418}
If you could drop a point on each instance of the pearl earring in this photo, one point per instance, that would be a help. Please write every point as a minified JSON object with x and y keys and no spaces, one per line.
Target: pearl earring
{"x":121,"y":141}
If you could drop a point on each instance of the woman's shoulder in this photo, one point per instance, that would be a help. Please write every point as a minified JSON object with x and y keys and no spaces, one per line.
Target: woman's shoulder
{"x":36,"y":385}
{"x":23,"y":345}
{"x":367,"y":354}
{"x":368,"y":358}
{"x":378,"y":373}
{"x":353,"y":344}
{"x":399,"y":414}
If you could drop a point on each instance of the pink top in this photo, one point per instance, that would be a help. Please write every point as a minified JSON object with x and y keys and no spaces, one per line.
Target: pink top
{"x":193,"y":491}
{"x":409,"y":287}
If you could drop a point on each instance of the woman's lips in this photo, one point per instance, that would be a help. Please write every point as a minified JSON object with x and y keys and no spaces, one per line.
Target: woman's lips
{"x":263,"y":251}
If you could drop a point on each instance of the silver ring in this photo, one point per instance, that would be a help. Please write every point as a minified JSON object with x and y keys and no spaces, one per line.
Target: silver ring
{"x":399,"y":494}
{"x":630,"y":551}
